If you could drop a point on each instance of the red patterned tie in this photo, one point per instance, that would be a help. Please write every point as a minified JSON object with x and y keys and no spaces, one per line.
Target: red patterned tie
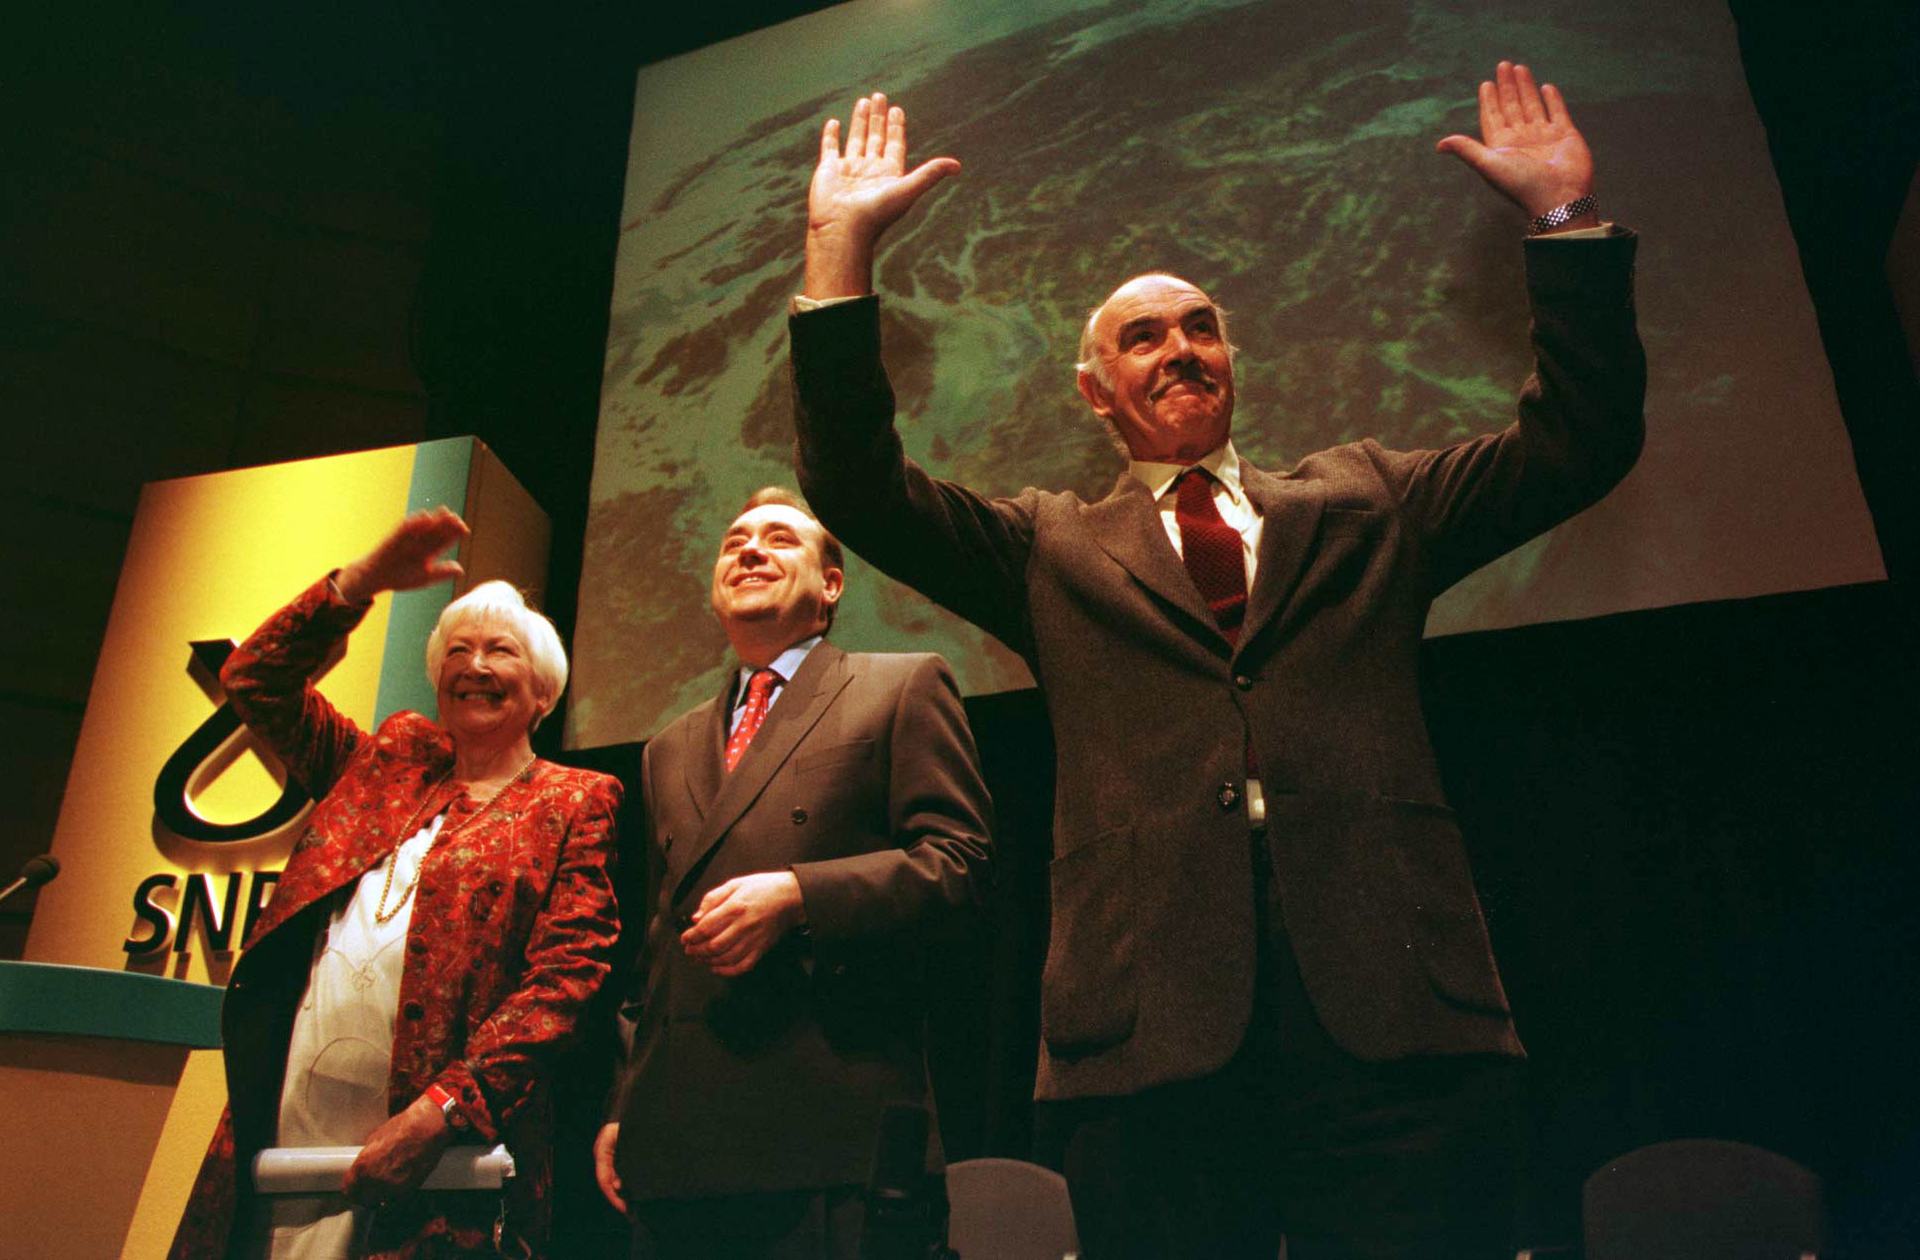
{"x":759,"y":696}
{"x":1212,"y":551}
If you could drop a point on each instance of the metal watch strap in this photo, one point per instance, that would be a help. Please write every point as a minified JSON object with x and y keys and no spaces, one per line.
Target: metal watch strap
{"x":1559,"y":216}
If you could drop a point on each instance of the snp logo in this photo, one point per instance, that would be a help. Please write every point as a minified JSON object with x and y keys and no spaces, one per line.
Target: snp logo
{"x":174,"y":813}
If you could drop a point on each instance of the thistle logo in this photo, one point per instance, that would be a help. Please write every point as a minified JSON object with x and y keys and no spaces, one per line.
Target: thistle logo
{"x":171,"y":802}
{"x":217,"y":916}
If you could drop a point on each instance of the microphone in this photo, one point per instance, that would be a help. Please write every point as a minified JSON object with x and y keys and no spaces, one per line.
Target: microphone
{"x":904,"y":1221}
{"x":34,"y":872}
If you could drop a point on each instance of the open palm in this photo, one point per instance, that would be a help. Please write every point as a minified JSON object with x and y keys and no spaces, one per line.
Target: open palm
{"x":1529,"y":150}
{"x":867,"y":187}
{"x":859,"y":192}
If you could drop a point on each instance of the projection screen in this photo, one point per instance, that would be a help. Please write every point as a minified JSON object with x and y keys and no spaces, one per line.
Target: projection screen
{"x":1279,"y":155}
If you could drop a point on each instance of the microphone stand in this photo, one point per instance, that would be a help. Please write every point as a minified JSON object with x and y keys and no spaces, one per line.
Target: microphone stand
{"x":34,"y":872}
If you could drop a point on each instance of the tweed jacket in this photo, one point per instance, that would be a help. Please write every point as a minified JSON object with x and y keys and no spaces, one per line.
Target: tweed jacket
{"x":512,"y":926}
{"x":865,"y":783}
{"x":1149,"y":975}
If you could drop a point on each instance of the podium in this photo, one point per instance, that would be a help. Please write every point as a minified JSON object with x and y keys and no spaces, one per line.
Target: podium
{"x":90,"y":1060}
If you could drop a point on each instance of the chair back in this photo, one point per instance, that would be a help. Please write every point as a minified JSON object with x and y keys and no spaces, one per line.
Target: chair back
{"x":1008,"y":1209}
{"x":1702,"y":1199}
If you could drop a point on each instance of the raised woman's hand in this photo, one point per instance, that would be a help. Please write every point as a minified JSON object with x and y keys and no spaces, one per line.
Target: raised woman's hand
{"x":406,"y":559}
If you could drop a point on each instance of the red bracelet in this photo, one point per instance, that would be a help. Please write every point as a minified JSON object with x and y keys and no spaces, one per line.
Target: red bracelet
{"x":442,"y":1097}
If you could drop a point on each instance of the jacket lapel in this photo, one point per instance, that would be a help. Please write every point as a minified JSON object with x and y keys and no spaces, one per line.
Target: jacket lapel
{"x":349,"y":857}
{"x":1126,"y":524}
{"x":1289,"y":519}
{"x":819,"y":680}
{"x":705,"y":766}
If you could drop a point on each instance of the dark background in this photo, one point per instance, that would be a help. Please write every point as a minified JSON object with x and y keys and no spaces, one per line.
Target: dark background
{"x":230,"y":236}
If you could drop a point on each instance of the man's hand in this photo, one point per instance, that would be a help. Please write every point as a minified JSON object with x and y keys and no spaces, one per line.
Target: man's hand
{"x":738,"y":922}
{"x":399,"y":1155}
{"x":858,"y":194}
{"x":405,"y":559}
{"x":1529,"y":149}
{"x":603,"y":1172}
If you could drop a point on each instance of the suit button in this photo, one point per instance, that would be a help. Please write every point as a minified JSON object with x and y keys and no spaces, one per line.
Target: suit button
{"x":414,"y":1011}
{"x":1243,"y":682}
{"x":1228,"y":796}
{"x":839,"y":969}
{"x":683,"y":921}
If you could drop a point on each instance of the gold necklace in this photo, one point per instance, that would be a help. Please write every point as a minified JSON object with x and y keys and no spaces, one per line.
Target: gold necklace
{"x":380,"y":912}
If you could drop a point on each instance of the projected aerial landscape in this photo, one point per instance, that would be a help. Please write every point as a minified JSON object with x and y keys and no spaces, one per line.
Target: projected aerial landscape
{"x":1278,"y":155}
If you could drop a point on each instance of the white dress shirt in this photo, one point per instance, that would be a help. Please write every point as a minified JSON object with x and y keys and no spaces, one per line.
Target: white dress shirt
{"x":1229,"y":496}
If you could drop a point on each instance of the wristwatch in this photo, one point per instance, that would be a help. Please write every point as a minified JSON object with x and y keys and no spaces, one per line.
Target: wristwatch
{"x":1562,"y":214}
{"x":442,"y":1097}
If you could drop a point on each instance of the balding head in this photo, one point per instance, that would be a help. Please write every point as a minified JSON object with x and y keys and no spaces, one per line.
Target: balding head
{"x":1156,"y":365}
{"x":1090,"y":361}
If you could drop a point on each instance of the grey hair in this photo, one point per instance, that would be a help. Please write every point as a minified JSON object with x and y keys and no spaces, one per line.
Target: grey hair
{"x":502,"y":602}
{"x":1090,"y":361}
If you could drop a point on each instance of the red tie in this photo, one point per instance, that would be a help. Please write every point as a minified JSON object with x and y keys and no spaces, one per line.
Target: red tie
{"x":759,"y":696}
{"x":1211,"y":549}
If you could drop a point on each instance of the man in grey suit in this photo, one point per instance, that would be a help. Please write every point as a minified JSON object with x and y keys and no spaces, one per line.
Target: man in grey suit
{"x":808,"y":827}
{"x":1268,"y":1004}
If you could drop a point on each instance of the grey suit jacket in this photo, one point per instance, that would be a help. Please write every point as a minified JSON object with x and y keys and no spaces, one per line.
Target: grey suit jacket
{"x":865,"y":782}
{"x":1150,"y":970}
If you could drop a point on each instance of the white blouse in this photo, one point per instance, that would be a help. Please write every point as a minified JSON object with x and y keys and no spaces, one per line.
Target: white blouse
{"x":341,"y":1053}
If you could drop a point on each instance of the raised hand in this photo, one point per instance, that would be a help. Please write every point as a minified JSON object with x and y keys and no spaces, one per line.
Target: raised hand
{"x":859,"y":193}
{"x":1529,"y":149}
{"x":407,"y":558}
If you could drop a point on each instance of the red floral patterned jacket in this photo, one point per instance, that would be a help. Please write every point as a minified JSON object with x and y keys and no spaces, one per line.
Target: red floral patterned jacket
{"x":512,"y":926}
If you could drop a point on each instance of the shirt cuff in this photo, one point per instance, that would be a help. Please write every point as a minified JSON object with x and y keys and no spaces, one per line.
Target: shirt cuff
{"x":1577,"y":234}
{"x":799,"y":302}
{"x":333,"y":589}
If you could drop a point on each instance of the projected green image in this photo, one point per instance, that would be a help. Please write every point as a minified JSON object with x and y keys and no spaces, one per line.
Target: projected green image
{"x":1278,"y":155}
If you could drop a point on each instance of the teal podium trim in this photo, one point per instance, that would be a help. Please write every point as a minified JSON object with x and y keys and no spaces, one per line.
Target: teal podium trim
{"x":96,"y":1002}
{"x":440,"y":476}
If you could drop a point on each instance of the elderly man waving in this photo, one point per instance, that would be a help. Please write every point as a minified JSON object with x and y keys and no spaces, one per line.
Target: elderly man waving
{"x":1269,"y":1004}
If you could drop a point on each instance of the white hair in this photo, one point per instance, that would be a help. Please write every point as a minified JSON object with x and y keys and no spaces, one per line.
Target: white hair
{"x":1090,"y":361}
{"x":502,"y":603}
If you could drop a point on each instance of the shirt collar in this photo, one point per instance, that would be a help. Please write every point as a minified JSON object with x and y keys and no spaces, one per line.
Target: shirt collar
{"x":1222,"y":461}
{"x":787,"y":664}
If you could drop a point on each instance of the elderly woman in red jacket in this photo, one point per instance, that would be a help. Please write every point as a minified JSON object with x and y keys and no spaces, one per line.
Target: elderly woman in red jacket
{"x":434,"y":938}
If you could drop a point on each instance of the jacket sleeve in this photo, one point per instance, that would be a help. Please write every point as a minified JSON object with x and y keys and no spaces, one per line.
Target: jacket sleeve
{"x":567,"y":958}
{"x":269,"y":681}
{"x":962,"y":550}
{"x":940,"y":817}
{"x":1580,"y":424}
